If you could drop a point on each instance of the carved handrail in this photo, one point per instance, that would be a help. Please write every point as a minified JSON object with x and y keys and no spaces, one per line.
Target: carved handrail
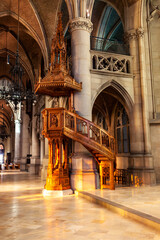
{"x":93,"y":137}
{"x":89,"y":130}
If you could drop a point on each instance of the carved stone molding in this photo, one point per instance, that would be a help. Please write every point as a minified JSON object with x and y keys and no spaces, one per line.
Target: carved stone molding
{"x":82,"y":24}
{"x":129,"y":36}
{"x":134,"y":34}
{"x":108,"y":62}
{"x":140,"y":32}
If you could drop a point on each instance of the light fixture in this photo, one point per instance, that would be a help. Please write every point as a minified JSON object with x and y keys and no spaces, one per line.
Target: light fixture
{"x":16,"y":93}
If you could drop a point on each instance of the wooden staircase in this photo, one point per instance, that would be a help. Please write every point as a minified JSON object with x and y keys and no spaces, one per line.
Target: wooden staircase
{"x":95,"y":139}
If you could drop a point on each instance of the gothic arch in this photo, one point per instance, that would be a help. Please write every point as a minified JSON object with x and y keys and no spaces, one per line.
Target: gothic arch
{"x":125,"y":95}
{"x":27,"y":69}
{"x":32,"y":32}
{"x":119,"y":8}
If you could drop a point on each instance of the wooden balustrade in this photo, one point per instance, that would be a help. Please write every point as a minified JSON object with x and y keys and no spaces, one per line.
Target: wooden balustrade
{"x":59,"y":123}
{"x":79,"y":129}
{"x":88,"y":129}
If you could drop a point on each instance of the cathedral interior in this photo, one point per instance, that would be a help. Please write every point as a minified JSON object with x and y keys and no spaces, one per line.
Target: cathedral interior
{"x":80,"y":118}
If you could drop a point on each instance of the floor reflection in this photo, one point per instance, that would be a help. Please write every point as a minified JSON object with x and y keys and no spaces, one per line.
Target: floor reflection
{"x":26,"y":214}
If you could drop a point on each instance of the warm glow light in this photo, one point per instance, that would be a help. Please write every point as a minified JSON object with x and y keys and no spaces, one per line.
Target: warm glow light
{"x":76,"y":193}
{"x":56,"y":193}
{"x":33,"y":199}
{"x":28,"y":196}
{"x":57,"y":157}
{"x":63,"y":156}
{"x":138,"y":181}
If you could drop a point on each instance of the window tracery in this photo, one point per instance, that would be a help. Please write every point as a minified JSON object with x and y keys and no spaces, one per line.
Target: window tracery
{"x":122,"y":130}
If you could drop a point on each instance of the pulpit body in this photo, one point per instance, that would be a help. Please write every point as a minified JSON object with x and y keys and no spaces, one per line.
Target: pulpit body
{"x":58,"y":167}
{"x":57,"y":83}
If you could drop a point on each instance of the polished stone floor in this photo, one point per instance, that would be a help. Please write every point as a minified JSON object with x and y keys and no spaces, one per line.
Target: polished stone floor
{"x":145,"y":199}
{"x":26,"y":214}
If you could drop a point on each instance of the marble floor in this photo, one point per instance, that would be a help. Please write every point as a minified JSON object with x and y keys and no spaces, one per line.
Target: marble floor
{"x":145,"y":199}
{"x":26,"y":214}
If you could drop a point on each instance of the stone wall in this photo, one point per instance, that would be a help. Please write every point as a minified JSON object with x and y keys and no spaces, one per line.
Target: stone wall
{"x":155,"y":132}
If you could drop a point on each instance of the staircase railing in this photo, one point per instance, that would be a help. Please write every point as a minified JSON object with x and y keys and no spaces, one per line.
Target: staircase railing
{"x":89,"y":130}
{"x":82,"y":130}
{"x":58,"y":122}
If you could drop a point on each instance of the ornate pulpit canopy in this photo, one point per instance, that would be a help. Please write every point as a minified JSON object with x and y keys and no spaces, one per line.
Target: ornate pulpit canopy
{"x":57,"y":81}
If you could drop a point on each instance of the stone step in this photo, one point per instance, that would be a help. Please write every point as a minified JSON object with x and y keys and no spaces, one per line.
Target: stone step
{"x":140,"y":217}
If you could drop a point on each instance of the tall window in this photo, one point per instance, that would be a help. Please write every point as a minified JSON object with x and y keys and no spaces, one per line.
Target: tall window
{"x":101,"y":121}
{"x":122,"y":130}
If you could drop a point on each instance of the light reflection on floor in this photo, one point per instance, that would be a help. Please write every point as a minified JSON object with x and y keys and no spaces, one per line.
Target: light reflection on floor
{"x":145,"y":199}
{"x":26,"y":214}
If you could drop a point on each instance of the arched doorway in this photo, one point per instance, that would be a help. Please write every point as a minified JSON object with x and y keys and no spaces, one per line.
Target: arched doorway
{"x":1,"y":153}
{"x":7,"y":133}
{"x":111,"y":112}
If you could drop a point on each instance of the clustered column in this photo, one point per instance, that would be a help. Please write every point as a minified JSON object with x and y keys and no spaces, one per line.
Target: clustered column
{"x":35,"y":159}
{"x":25,"y":139}
{"x":141,"y":161}
{"x":17,"y":153}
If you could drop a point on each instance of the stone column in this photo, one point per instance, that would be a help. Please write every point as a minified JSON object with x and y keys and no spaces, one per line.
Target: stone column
{"x":136,"y":121}
{"x":42,"y":149}
{"x":84,"y":172}
{"x":80,"y":41}
{"x":141,"y":161}
{"x":25,"y":139}
{"x":17,"y":150}
{"x":42,"y":152}
{"x":144,"y":93}
{"x":35,"y":159}
{"x":46,"y":148}
{"x":8,"y":147}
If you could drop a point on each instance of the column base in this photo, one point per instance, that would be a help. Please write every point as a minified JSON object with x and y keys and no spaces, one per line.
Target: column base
{"x":57,"y":179}
{"x":34,"y":167}
{"x":23,"y":165}
{"x":84,"y":175}
{"x":44,"y":167}
{"x":17,"y":161}
{"x":157,"y":171}
{"x":56,"y":193}
{"x":141,"y":167}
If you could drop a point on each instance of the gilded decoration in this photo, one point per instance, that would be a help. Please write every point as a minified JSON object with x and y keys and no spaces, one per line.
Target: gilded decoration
{"x":65,"y":124}
{"x":58,"y":81}
{"x":53,"y":120}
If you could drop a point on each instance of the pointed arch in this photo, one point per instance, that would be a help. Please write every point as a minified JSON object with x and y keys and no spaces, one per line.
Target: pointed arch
{"x":32,"y":33}
{"x":120,"y":89}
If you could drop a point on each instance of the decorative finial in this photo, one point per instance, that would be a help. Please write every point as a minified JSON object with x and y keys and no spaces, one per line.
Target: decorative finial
{"x":58,"y":49}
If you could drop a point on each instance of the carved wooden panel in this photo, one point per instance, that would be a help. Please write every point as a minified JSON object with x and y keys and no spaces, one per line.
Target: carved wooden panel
{"x":53,"y":120}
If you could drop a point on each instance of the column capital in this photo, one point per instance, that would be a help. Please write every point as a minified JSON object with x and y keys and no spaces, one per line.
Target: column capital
{"x":17,"y":121}
{"x":140,"y":32}
{"x":130,"y":35}
{"x":81,"y":24}
{"x":134,"y":34}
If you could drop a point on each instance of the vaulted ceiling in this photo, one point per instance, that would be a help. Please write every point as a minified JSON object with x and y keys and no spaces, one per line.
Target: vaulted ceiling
{"x":37,"y":26}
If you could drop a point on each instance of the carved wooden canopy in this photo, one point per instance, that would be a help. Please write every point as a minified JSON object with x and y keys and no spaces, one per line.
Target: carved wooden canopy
{"x":58,"y":82}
